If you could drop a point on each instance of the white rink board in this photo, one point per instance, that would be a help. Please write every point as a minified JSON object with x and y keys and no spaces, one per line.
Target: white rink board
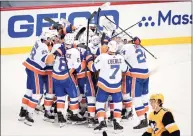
{"x":177,"y":22}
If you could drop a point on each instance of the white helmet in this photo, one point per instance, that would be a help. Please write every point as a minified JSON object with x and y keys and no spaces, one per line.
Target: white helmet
{"x":113,"y":46}
{"x":48,"y":34}
{"x":82,"y":38}
{"x":69,"y":38}
{"x":95,"y":40}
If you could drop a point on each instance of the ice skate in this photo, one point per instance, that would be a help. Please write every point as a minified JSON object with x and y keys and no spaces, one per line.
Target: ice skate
{"x":128,"y":115}
{"x":22,"y":114}
{"x":117,"y":127}
{"x":92,"y":122}
{"x":49,"y":117}
{"x":77,"y":119}
{"x":143,"y":123}
{"x":61,"y":119}
{"x":28,"y":119}
{"x":101,"y":127}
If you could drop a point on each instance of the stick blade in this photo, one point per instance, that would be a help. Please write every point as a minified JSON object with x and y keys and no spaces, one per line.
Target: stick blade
{"x":65,"y":21}
{"x":105,"y":5}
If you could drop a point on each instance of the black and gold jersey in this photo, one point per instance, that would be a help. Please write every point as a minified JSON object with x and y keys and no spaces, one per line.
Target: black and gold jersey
{"x":161,"y":121}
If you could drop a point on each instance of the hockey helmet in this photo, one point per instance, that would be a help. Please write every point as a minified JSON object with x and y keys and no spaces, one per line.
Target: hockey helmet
{"x":113,"y":47}
{"x":69,"y":38}
{"x":157,"y":97}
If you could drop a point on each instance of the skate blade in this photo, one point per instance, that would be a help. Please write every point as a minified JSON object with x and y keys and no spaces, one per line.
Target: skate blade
{"x":62,"y":125}
{"x":28,"y":123}
{"x":100,"y":131}
{"x":69,"y":122}
{"x":49,"y":120}
{"x":118,"y":131}
{"x":21,"y":119}
{"x":140,"y":130}
{"x":91,"y":125}
{"x":78,"y":122}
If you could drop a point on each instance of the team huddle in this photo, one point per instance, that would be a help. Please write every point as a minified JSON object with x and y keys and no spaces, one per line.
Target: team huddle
{"x":97,"y":75}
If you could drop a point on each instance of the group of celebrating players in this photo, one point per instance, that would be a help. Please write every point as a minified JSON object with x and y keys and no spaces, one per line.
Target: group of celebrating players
{"x":97,"y":75}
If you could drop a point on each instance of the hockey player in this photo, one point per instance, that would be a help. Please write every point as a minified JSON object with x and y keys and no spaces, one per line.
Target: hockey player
{"x":89,"y":92}
{"x":49,"y":94}
{"x":136,"y":82}
{"x":35,"y":64}
{"x":67,"y":60}
{"x":161,"y":120}
{"x":111,"y":66}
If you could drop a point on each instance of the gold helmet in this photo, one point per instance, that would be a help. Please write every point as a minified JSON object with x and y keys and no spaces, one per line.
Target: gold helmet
{"x":157,"y":97}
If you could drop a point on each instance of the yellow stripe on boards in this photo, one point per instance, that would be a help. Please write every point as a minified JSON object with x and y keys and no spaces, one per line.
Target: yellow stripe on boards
{"x":15,"y":50}
{"x":145,"y":42}
{"x":167,"y":41}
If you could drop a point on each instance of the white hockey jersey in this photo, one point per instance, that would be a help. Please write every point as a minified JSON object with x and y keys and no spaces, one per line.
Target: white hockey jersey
{"x":135,"y":56}
{"x":111,"y":68}
{"x":60,"y":69}
{"x":37,"y":59}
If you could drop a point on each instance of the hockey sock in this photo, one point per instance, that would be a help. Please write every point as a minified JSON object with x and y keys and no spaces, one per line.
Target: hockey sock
{"x":26,"y":98}
{"x":117,"y":111}
{"x":91,"y":105}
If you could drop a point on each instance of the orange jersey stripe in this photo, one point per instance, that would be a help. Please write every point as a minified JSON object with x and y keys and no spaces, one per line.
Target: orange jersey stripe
{"x":124,"y":84}
{"x":48,"y":102}
{"x":140,"y":112}
{"x":117,"y":114}
{"x":37,"y":83}
{"x":101,"y":114}
{"x":74,"y":106}
{"x":25,"y":101}
{"x":32,"y":104}
{"x":91,"y":109}
{"x":32,"y":68}
{"x":60,"y":77}
{"x":110,"y":90}
{"x":82,"y":74}
{"x":137,"y":75}
{"x":133,"y":87}
{"x":128,"y":104}
{"x":60,"y":105}
{"x":50,"y":84}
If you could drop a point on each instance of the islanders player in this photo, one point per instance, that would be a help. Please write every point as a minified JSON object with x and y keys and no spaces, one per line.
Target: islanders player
{"x":63,"y":81}
{"x":135,"y":82}
{"x":111,"y":66}
{"x":35,"y":64}
{"x":161,"y":120}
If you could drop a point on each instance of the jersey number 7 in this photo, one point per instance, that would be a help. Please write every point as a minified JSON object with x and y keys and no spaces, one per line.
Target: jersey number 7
{"x":116,"y":67}
{"x":141,"y":56}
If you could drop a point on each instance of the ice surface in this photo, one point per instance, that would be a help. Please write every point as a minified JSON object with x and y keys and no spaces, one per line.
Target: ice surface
{"x":172,"y":78}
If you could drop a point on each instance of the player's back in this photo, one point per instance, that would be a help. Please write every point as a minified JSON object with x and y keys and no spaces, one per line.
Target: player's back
{"x":60,"y":68}
{"x":111,"y":68}
{"x":135,"y":56}
{"x":37,"y":58}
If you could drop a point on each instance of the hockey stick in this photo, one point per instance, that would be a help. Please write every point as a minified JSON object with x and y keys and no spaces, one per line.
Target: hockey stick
{"x":99,"y":10}
{"x":51,"y":21}
{"x":131,"y":37}
{"x":92,"y":15}
{"x":125,"y":29}
{"x":65,"y":21}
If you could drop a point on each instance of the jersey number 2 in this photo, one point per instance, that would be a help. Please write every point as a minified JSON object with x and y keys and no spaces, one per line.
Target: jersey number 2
{"x":141,"y":56}
{"x":116,"y":67}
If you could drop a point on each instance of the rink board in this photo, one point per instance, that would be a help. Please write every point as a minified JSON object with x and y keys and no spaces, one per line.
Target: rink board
{"x":162,"y":22}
